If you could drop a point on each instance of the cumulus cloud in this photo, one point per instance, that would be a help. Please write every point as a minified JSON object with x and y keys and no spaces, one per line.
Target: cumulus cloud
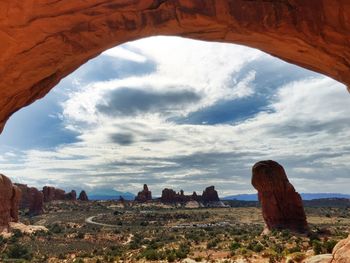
{"x":203,"y":114}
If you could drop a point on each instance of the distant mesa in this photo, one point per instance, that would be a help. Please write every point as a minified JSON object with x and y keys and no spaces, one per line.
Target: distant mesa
{"x":32,"y":199}
{"x":282,"y":206}
{"x":10,"y":196}
{"x":83,"y":196}
{"x":144,"y":195}
{"x":210,"y":195}
{"x":56,"y":194}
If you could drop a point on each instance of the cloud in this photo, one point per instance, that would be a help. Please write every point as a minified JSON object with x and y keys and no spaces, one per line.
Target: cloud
{"x":130,"y":101}
{"x":122,"y":138}
{"x":194,"y":118}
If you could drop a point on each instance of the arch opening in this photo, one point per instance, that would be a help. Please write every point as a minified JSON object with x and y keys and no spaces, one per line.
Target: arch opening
{"x":55,"y":39}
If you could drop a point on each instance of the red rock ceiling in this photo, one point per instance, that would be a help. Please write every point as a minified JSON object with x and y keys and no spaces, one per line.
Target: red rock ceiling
{"x":42,"y":41}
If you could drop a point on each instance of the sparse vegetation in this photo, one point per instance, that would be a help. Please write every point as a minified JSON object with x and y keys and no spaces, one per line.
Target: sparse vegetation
{"x":154,"y":233}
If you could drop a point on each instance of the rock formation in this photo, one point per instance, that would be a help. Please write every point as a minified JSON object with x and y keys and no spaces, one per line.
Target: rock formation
{"x":32,"y":199}
{"x":83,"y":196}
{"x":71,"y":196}
{"x":9,"y":202}
{"x":42,"y":42}
{"x":341,"y":251}
{"x":210,"y":195}
{"x":52,"y":194}
{"x":145,"y":195}
{"x":282,"y":206}
{"x":170,"y":196}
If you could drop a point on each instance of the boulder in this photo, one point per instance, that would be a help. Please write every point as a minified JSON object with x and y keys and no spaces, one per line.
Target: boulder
{"x":341,"y":251}
{"x":282,"y":206}
{"x":32,"y":199}
{"x":145,"y":195}
{"x":83,"y":196}
{"x":210,"y":195}
{"x":9,"y":202}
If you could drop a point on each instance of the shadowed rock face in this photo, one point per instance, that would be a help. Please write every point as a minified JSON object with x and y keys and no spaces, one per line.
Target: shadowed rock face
{"x":52,"y":194}
{"x":42,"y":42}
{"x":282,"y":206}
{"x":32,"y":199}
{"x":210,"y":195}
{"x":9,"y":202}
{"x":145,"y":195}
{"x":170,"y":196}
{"x":83,"y":196}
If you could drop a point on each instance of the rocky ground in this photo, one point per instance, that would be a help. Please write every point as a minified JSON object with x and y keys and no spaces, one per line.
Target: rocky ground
{"x":155,"y":232}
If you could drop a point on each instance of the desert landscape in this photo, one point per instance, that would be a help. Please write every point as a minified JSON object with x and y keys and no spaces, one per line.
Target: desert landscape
{"x":175,"y":227}
{"x":175,"y":131}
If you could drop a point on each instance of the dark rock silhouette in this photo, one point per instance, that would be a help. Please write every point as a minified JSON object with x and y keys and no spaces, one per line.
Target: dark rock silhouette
{"x":210,"y":195}
{"x":32,"y":199}
{"x":145,"y":195}
{"x":52,"y":193}
{"x":55,"y":194}
{"x":71,"y":196}
{"x":83,"y":196}
{"x":170,"y":196}
{"x":282,"y":206}
{"x":10,"y":196}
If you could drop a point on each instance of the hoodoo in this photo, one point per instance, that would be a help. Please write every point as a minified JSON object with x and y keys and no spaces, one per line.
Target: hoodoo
{"x":42,"y":42}
{"x":83,"y":196}
{"x":144,"y":195}
{"x":282,"y":206}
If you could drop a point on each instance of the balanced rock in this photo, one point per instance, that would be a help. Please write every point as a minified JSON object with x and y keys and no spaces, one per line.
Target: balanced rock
{"x":210,"y":195}
{"x":83,"y":196}
{"x":9,"y":202}
{"x":32,"y":199}
{"x":145,"y":195}
{"x":282,"y":206}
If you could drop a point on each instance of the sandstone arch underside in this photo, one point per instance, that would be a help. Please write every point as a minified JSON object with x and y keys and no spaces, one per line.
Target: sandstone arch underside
{"x":42,"y":41}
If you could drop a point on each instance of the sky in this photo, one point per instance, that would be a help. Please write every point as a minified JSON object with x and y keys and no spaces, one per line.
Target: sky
{"x":182,"y":114}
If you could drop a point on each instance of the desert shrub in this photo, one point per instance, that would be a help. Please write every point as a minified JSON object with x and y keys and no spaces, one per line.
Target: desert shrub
{"x":2,"y":240}
{"x":55,"y":228}
{"x":182,"y":251}
{"x":171,"y":256}
{"x":212,"y":243}
{"x":19,"y":251}
{"x":80,"y":235}
{"x":298,"y":257}
{"x":297,"y":248}
{"x":317,"y":247}
{"x":234,"y":246}
{"x":150,"y":254}
{"x":255,"y":246}
{"x":329,"y":245}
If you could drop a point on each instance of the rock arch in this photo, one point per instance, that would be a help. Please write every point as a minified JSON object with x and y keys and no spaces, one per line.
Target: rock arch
{"x":42,"y":41}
